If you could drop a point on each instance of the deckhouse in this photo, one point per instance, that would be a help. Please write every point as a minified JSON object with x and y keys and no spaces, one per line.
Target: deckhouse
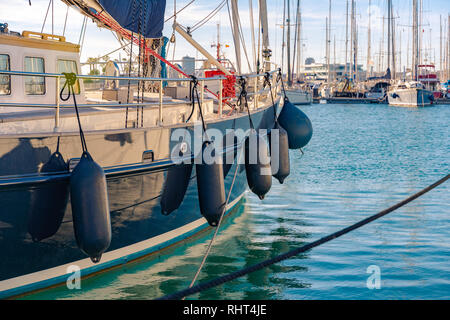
{"x":37,"y":53}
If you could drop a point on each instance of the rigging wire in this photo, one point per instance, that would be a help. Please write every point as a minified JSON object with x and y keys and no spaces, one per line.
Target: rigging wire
{"x":295,"y":37}
{"x":208,"y":249}
{"x":232,"y":29}
{"x":65,"y":21}
{"x":46,"y":14}
{"x":83,"y":35}
{"x":209,"y":16}
{"x":129,"y":81}
{"x":241,"y":36}
{"x":53,"y":18}
{"x":175,"y":14}
{"x":71,"y":79}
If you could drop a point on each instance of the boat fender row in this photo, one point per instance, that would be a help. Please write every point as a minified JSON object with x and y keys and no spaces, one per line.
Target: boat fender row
{"x":90,"y":208}
{"x":257,"y":164}
{"x":177,"y":181}
{"x":297,"y":125}
{"x":261,"y":163}
{"x":210,"y":185}
{"x":279,"y":152}
{"x":48,"y":204}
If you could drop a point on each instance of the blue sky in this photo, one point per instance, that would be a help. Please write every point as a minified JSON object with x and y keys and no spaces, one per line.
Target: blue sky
{"x":20,"y":16}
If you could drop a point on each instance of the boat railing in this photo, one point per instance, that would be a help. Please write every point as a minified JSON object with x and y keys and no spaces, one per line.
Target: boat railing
{"x":253,"y":79}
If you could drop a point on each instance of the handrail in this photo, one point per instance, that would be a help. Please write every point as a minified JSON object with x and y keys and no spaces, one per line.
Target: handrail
{"x":57,"y":75}
{"x":58,"y":106}
{"x":88,"y":105}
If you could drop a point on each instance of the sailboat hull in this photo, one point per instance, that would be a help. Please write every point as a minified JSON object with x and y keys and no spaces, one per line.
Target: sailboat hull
{"x":134,"y":188}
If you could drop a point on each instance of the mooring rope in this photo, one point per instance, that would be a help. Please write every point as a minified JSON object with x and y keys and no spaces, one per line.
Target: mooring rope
{"x":194,"y":95}
{"x":71,"y":79}
{"x":267,"y":82}
{"x":237,"y":274}
{"x":243,"y":96}
{"x":208,"y":250}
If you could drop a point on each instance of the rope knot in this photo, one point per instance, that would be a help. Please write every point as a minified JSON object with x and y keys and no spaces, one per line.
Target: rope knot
{"x":267,"y":80}
{"x":243,"y":85}
{"x":194,"y":82}
{"x":71,"y":78}
{"x":279,"y":75}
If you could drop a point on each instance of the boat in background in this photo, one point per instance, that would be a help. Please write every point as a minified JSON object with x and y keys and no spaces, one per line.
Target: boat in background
{"x":297,"y":92}
{"x":429,"y":78}
{"x":410,"y":94}
{"x":299,"y":96}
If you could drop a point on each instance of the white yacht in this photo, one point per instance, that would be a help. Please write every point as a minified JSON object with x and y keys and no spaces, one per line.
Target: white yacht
{"x":410,"y":94}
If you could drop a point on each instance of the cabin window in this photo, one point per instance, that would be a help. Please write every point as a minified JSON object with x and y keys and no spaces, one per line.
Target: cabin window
{"x":34,"y":85}
{"x":68,"y":66}
{"x":5,"y":80}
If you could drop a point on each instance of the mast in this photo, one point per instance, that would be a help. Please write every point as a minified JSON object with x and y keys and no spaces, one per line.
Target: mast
{"x":283,"y":44}
{"x":419,"y":28}
{"x":356,"y":52}
{"x":296,"y":58}
{"x":266,"y":52}
{"x":381,"y":60}
{"x":299,"y":40}
{"x":400,"y":53}
{"x":288,"y":21}
{"x":236,"y":39}
{"x":334,"y":59}
{"x":447,"y":54}
{"x":440,"y":46}
{"x":329,"y":41}
{"x":408,"y":44}
{"x":327,"y":50}
{"x":415,"y":46}
{"x":369,"y":40}
{"x":394,"y":67}
{"x":346,"y":41}
{"x":389,"y":8}
{"x":252,"y":26}
{"x":354,"y":43}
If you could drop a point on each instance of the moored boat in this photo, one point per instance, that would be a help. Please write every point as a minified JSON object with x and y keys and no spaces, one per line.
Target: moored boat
{"x":410,"y":94}
{"x":299,"y":96}
{"x":153,"y":200}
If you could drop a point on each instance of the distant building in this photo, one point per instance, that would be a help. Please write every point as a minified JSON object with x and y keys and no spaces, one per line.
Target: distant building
{"x":319,"y":71}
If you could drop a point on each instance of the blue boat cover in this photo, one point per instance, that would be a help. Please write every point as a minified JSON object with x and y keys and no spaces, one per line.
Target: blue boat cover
{"x":128,"y":13}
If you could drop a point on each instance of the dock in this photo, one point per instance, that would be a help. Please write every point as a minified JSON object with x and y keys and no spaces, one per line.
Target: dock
{"x":338,"y":100}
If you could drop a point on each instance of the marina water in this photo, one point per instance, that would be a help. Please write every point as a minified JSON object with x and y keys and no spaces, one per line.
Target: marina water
{"x":361,"y":160}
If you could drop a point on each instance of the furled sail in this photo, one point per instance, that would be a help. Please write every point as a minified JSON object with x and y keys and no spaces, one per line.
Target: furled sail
{"x":145,"y":17}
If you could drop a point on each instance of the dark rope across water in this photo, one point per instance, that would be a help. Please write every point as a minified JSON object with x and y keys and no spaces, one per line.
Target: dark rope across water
{"x":237,"y":274}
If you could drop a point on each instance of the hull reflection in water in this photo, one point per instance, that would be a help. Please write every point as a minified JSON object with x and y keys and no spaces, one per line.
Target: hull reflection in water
{"x":245,"y":241}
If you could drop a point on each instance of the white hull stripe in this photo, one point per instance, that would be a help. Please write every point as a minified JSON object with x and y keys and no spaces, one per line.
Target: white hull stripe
{"x":58,"y":275}
{"x":406,"y":104}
